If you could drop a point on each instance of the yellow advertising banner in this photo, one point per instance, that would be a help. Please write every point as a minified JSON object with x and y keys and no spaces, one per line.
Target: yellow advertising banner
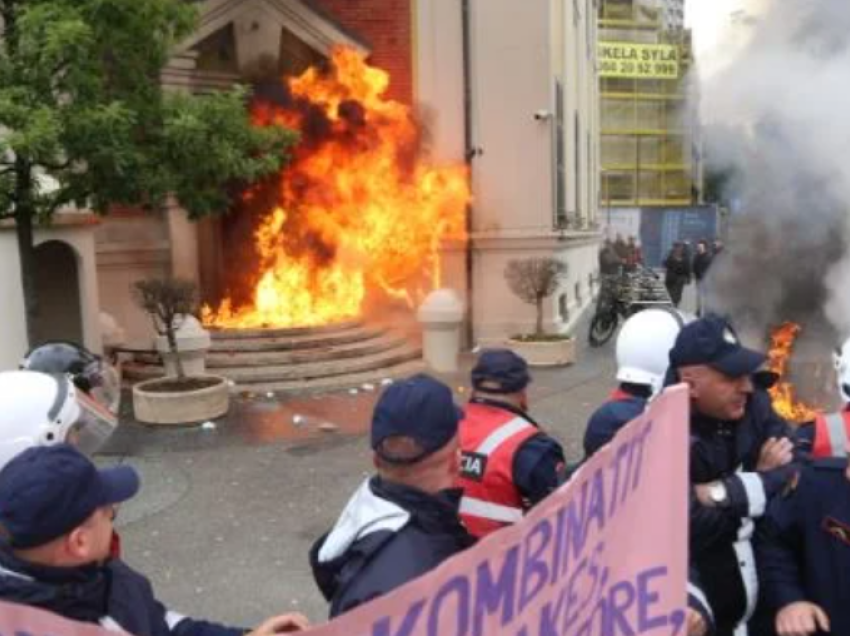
{"x":641,"y":61}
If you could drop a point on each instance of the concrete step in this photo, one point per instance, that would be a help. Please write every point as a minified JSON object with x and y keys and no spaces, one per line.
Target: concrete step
{"x":291,"y":360}
{"x":296,"y":343}
{"x":309,"y":370}
{"x":241,"y":358}
{"x":289,"y":332}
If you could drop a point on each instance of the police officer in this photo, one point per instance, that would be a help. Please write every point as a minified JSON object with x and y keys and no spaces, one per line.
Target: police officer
{"x":404,"y":521}
{"x":803,"y":551}
{"x":741,"y":457}
{"x":643,"y":347}
{"x":828,"y":435}
{"x":40,"y":409}
{"x":56,"y":512}
{"x":508,"y":463}
{"x":642,"y":350}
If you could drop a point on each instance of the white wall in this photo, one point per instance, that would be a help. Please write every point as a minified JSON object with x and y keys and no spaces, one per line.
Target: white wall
{"x":512,"y":79}
{"x":13,"y":336}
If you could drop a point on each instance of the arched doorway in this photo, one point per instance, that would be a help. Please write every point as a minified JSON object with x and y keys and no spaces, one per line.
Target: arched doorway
{"x":57,"y":281}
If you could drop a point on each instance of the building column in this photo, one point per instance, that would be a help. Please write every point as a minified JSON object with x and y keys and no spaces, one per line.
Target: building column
{"x":183,"y":239}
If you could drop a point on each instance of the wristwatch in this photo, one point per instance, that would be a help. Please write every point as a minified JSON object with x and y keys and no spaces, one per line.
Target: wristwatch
{"x":718,"y":494}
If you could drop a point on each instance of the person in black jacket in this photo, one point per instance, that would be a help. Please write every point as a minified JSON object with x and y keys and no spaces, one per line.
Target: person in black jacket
{"x":741,"y":457}
{"x":803,"y":550}
{"x":404,"y":521}
{"x":701,"y":263}
{"x":56,"y":514}
{"x":677,"y":272}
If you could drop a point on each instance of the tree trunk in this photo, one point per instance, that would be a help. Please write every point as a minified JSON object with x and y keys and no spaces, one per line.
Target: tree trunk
{"x":172,"y":345}
{"x":24,"y":214}
{"x":538,"y":327}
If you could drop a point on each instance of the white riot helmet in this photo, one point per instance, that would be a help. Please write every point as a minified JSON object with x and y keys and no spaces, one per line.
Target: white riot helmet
{"x":644,"y":343}
{"x":841,"y":359}
{"x":39,"y":409}
{"x":89,"y":372}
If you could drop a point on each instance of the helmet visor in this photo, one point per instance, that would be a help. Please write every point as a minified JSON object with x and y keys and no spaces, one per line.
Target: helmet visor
{"x":94,"y":426}
{"x":105,"y":387}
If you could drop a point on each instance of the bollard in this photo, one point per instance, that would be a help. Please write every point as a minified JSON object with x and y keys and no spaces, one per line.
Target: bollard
{"x":441,"y":315}
{"x":193,"y":342}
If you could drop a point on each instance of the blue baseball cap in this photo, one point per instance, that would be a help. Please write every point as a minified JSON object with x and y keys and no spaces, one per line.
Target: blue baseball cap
{"x":47,"y":491}
{"x":420,"y":408}
{"x":500,"y":371}
{"x":711,"y":341}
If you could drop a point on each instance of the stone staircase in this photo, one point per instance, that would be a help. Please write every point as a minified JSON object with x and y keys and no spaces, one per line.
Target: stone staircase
{"x":308,"y":359}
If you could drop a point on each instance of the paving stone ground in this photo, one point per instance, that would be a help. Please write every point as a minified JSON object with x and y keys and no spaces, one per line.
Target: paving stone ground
{"x":226,"y":516}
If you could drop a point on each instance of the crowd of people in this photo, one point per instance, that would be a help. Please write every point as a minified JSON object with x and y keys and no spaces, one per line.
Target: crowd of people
{"x":682,"y":266}
{"x":769,"y":512}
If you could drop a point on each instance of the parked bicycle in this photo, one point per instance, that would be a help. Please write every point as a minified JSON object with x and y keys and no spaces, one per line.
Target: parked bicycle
{"x":622,"y":295}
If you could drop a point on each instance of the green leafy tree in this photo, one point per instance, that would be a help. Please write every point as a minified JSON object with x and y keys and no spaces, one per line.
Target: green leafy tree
{"x":85,"y":122}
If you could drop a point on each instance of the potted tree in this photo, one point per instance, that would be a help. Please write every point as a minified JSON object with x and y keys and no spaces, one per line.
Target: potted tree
{"x":179,"y":397}
{"x":533,"y":280}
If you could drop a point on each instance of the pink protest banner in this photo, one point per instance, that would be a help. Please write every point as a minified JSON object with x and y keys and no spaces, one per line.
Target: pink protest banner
{"x":606,"y":555}
{"x":603,"y":556}
{"x":20,"y":620}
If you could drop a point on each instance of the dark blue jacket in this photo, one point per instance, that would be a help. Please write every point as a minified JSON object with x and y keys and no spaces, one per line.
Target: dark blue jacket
{"x":803,"y":545}
{"x":624,"y":406}
{"x":100,"y":595}
{"x":387,"y":535}
{"x":720,"y":537}
{"x":539,"y":465}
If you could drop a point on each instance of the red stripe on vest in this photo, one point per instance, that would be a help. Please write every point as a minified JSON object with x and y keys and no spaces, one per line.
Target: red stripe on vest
{"x":497,"y":485}
{"x":618,"y":395}
{"x":822,"y":446}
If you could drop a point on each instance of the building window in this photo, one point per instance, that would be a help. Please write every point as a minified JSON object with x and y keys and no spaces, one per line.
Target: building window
{"x":560,"y":158}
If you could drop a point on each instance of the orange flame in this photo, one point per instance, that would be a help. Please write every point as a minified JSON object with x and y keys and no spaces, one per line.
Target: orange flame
{"x":357,"y":209}
{"x":782,"y":393}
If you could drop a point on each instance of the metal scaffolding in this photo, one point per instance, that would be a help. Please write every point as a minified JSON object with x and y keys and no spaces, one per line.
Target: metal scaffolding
{"x":648,"y":133}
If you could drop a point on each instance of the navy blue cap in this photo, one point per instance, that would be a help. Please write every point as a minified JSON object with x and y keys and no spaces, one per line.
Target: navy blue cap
{"x":711,"y":341}
{"x":47,"y":491}
{"x":500,"y":371}
{"x":420,"y":408}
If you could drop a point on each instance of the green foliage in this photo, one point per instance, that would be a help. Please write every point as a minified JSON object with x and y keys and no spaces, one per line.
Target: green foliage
{"x":81,"y":108}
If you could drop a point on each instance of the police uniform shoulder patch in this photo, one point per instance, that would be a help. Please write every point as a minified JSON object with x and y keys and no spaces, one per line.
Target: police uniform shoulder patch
{"x":473,"y":465}
{"x":836,"y":529}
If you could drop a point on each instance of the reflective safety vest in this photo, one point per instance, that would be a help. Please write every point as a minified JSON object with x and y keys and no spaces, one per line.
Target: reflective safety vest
{"x":618,"y":395}
{"x":832,"y":431}
{"x":489,"y":440}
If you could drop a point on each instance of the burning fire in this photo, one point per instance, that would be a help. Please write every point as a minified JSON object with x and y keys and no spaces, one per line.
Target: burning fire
{"x":783,"y":393}
{"x":356,"y":209}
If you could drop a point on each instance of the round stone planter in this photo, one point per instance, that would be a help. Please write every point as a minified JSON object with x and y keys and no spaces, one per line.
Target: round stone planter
{"x":545,"y":353}
{"x":154,"y":402}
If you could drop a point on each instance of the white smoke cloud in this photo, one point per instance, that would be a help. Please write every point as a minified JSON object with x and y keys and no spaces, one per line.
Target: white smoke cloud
{"x":778,"y":111}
